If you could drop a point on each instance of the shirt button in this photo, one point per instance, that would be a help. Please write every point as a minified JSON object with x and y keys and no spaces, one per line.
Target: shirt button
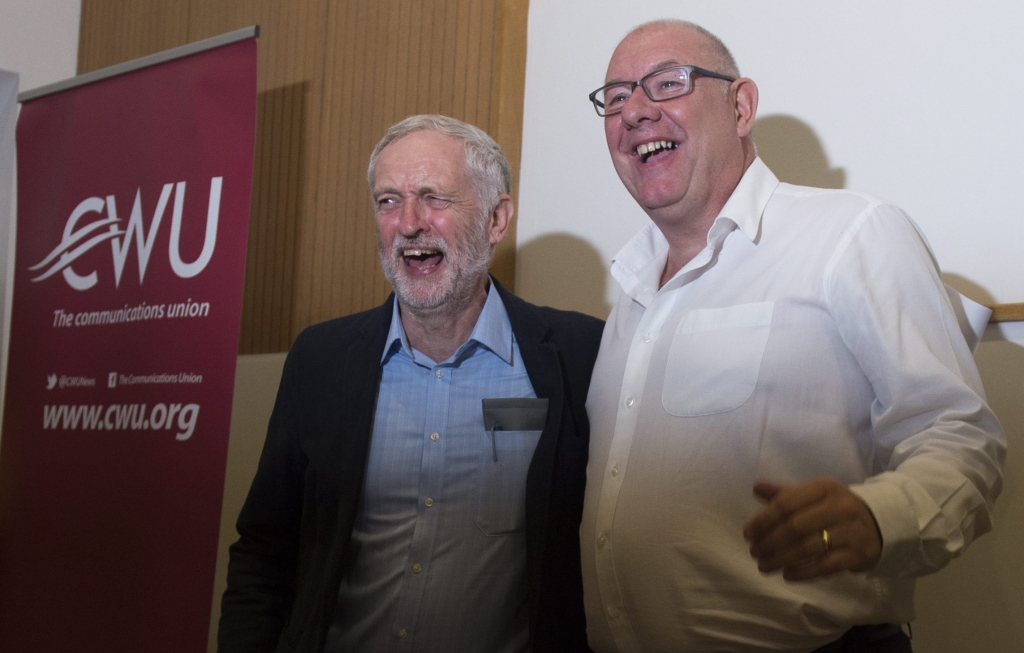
{"x":647,"y":337}
{"x":402,"y":634}
{"x":615,"y":470}
{"x":629,"y":402}
{"x":434,"y":436}
{"x":439,"y":373}
{"x":429,"y":502}
{"x":416,"y":568}
{"x":613,"y":613}
{"x":601,"y":541}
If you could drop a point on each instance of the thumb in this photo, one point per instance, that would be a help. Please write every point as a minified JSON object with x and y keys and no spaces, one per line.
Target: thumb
{"x":766,"y":491}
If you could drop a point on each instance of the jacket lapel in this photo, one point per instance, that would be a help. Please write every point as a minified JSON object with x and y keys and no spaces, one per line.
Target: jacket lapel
{"x":543,"y":364}
{"x":360,"y":382}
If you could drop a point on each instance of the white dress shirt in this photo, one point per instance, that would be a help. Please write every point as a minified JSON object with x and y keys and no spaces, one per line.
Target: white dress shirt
{"x":812,"y":337}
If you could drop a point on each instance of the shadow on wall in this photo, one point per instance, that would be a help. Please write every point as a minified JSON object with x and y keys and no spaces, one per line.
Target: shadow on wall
{"x":566,"y":272}
{"x":279,"y":179}
{"x":969,"y":288}
{"x":794,"y":153}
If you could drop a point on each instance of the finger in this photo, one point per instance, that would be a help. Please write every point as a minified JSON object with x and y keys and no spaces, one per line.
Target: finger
{"x":795,"y":530}
{"x":786,"y":501}
{"x":795,"y":539}
{"x":848,"y":520}
{"x":766,"y":491}
{"x":853,"y":546}
{"x":806,"y":550}
{"x":840,"y":557}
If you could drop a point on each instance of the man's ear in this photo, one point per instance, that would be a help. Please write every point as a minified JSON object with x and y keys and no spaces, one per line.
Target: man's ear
{"x":745,"y":94}
{"x":500,"y":219}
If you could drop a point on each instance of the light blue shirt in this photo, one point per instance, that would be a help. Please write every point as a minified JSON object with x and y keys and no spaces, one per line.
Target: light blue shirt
{"x":439,"y":538}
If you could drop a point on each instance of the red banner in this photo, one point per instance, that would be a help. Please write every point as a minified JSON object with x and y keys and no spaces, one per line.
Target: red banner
{"x":133,"y":210}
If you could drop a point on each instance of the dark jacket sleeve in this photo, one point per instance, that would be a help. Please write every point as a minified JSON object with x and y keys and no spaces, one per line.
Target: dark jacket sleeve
{"x":262,"y":567}
{"x":559,"y":624}
{"x":295,"y":526}
{"x":579,"y":337}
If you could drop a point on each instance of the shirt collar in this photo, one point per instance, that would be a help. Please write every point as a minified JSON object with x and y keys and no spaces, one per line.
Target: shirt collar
{"x":747,"y":203}
{"x":638,"y":266}
{"x":492,"y":330}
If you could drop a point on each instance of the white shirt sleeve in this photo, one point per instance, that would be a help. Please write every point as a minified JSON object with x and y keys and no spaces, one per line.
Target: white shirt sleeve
{"x":939,"y":449}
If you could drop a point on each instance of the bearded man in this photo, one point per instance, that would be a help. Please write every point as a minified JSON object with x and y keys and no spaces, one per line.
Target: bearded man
{"x":421,"y":485}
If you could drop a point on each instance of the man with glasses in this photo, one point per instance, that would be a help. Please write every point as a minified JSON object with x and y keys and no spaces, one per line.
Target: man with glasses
{"x":421,"y":484}
{"x":787,"y":423}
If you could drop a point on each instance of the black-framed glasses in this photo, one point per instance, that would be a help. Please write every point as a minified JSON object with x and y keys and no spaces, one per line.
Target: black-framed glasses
{"x":663,"y":84}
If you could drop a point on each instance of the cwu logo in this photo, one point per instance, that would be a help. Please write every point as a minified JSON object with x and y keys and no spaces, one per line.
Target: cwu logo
{"x":77,"y":241}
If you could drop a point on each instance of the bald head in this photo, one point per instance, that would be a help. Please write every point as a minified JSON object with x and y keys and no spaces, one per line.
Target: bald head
{"x":713,"y":52}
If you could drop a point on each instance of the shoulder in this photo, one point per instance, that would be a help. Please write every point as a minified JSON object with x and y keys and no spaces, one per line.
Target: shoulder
{"x":828,"y":220}
{"x":836,"y":202}
{"x":334,"y":335}
{"x":571,"y":322}
{"x":556,"y":318}
{"x":550,"y":324}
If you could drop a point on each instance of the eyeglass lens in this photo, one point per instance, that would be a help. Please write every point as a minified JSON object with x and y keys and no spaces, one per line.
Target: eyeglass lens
{"x":659,"y":85}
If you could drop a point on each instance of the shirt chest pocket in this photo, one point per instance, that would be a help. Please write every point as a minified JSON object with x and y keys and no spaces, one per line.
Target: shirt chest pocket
{"x":715,"y":357}
{"x":513,"y":428}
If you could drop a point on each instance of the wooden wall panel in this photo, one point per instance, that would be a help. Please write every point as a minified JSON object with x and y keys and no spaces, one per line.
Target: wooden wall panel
{"x":333,"y":75}
{"x":506,"y":120}
{"x":287,"y":151}
{"x":113,"y":31}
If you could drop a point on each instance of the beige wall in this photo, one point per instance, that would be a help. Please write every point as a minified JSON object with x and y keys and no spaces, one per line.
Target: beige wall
{"x":256,"y":379}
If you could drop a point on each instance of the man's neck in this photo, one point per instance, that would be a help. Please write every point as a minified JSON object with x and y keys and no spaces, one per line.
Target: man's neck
{"x":687,"y":235}
{"x":439,"y":332}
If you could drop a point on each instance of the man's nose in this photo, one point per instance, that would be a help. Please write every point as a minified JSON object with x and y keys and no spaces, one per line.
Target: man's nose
{"x":413,"y":218}
{"x":639,"y":108}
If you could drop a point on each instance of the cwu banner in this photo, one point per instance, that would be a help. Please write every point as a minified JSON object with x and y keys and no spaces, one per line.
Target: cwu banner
{"x":133,"y":209}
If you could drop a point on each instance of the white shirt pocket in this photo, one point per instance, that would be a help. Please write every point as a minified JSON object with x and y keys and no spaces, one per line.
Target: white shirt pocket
{"x":715,"y":359}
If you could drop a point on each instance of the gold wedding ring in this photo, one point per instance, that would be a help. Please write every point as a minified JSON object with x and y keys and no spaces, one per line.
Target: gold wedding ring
{"x":826,"y":540}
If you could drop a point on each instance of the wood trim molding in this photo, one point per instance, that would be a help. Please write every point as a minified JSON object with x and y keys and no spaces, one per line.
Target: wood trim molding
{"x":1007,"y":313}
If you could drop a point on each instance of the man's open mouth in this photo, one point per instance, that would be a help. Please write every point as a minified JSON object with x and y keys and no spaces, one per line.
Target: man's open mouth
{"x":647,"y":150}
{"x":422,"y":259}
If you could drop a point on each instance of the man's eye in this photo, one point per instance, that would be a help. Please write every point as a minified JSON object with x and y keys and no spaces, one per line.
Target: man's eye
{"x":437,"y":203}
{"x":385,"y":203}
{"x":616,"y":98}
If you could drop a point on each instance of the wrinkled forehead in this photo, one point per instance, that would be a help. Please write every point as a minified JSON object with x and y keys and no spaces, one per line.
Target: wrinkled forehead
{"x":649,"y":48}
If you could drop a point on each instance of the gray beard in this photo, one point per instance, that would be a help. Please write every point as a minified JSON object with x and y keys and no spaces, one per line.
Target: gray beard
{"x":446,"y":295}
